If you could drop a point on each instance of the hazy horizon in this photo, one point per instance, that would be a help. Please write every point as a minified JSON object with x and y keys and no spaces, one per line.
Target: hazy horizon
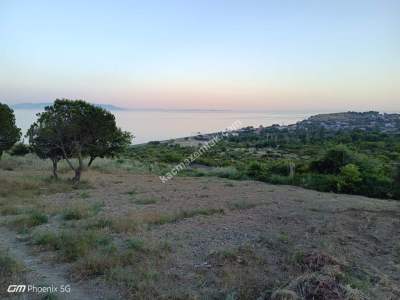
{"x":229,"y":55}
{"x":194,"y":109}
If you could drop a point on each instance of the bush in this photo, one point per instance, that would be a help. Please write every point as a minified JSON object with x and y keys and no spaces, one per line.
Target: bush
{"x":279,"y":179}
{"x":319,"y":182}
{"x":349,"y":178}
{"x":257,"y":171}
{"x":333,"y":160}
{"x":172,"y":157}
{"x":20,"y":149}
{"x":226,"y":172}
{"x":376,"y":185}
{"x":280,"y":167}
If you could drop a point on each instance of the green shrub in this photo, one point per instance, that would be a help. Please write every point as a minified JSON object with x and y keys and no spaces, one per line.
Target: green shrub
{"x":257,"y":171}
{"x":349,"y":178}
{"x":20,"y":149}
{"x":172,"y":157}
{"x":279,"y":179}
{"x":319,"y":182}
{"x":333,"y":160}
{"x":280,"y":167}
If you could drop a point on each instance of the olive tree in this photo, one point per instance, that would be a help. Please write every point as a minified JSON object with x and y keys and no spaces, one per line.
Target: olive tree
{"x":43,"y":143}
{"x":9,"y":132}
{"x":75,"y":129}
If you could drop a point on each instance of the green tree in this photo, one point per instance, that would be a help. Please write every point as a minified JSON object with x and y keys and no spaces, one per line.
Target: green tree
{"x":107,"y":140}
{"x":349,"y":178}
{"x":9,"y":132}
{"x":75,"y":129}
{"x":44,"y":143}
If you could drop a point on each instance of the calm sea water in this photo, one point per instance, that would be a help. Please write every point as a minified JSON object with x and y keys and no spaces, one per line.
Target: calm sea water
{"x":161,"y":125}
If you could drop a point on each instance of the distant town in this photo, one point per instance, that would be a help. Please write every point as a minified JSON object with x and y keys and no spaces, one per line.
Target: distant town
{"x":371,"y":120}
{"x":367,"y":121}
{"x":334,"y":122}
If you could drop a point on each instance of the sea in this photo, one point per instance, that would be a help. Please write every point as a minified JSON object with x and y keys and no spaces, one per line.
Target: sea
{"x":159,"y":125}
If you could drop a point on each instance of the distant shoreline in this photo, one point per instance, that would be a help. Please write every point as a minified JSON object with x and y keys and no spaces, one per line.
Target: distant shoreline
{"x":42,"y":105}
{"x":111,"y":107}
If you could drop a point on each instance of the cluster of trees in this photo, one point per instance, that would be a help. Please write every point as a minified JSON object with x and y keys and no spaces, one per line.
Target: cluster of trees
{"x":70,"y":130}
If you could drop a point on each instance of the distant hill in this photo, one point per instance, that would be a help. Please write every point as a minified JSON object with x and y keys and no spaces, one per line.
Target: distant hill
{"x":371,"y":120}
{"x":343,"y":121}
{"x":42,"y":105}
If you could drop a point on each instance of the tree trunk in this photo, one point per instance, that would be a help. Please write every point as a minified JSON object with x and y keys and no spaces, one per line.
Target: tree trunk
{"x":55,"y":162}
{"x":92,"y":158}
{"x":78,"y":170}
{"x":77,"y":176}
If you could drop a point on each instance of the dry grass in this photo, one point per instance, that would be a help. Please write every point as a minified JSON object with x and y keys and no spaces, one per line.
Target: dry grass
{"x":80,"y":209}
{"x":11,"y":272}
{"x":114,"y":224}
{"x":26,"y":222}
{"x":154,"y":218}
{"x":71,"y":244}
{"x":323,"y":277}
{"x":27,"y":184}
{"x":241,"y":204}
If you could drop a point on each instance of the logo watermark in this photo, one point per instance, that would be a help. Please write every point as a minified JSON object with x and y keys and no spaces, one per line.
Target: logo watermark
{"x":31,"y":288}
{"x":14,"y":288}
{"x":203,"y":149}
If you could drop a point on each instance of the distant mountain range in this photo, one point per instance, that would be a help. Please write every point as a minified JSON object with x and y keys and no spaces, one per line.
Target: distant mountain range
{"x":42,"y":105}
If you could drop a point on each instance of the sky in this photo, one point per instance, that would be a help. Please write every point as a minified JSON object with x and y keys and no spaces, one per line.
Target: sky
{"x":203,"y":54}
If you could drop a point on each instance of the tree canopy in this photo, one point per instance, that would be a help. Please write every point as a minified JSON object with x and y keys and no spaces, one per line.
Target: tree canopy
{"x":75,"y":129}
{"x":9,"y":132}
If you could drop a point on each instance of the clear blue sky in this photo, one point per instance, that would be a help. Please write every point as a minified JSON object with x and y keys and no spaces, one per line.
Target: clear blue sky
{"x":272,"y":55}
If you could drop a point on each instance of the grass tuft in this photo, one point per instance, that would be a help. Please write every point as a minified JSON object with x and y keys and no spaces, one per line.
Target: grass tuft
{"x":242,"y":204}
{"x":25,"y":222}
{"x":146,"y":201}
{"x":160,"y":219}
{"x":81,"y":210}
{"x":11,"y":271}
{"x":136,"y":244}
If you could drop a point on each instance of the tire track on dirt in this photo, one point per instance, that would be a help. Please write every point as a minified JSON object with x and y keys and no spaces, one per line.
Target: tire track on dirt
{"x":42,"y":273}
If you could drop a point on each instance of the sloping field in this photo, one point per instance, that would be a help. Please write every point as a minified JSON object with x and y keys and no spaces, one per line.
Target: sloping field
{"x":126,"y":235}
